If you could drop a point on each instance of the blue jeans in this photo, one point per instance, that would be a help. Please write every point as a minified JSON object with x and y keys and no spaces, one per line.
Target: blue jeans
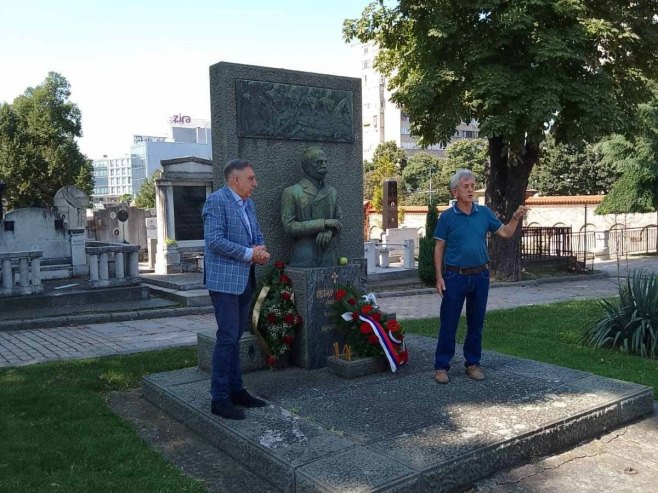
{"x":231,"y":313}
{"x":474,"y":289}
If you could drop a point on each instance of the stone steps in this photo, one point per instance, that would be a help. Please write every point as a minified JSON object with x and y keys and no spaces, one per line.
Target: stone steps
{"x":22,"y":305}
{"x":401,"y":432}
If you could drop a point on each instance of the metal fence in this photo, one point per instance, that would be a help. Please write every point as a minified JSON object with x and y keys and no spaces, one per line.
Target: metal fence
{"x":559,"y":242}
{"x":540,"y":242}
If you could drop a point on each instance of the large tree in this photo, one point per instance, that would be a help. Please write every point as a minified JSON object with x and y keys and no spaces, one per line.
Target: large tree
{"x":572,"y":169}
{"x":574,"y":68}
{"x":38,"y":149}
{"x":637,"y":159}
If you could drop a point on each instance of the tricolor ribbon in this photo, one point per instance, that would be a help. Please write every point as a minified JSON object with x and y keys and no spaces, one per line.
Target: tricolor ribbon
{"x":385,"y":338}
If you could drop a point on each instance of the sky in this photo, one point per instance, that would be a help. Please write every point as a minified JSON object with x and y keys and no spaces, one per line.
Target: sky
{"x":134,"y":63}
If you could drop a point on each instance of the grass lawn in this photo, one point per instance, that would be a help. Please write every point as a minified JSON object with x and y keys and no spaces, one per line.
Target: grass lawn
{"x":551,"y":333}
{"x":57,"y":433}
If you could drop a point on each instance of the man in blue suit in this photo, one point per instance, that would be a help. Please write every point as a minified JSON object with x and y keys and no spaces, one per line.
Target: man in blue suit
{"x":234,"y":243}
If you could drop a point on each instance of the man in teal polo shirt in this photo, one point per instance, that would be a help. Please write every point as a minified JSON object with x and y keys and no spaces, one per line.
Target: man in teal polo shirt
{"x":461,"y":241}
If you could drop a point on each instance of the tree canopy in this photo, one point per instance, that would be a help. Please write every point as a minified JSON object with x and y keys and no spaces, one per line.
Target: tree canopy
{"x":571,"y":169}
{"x":637,"y":159}
{"x":387,"y":162}
{"x":577,"y":69}
{"x":421,"y":179}
{"x":145,"y":198}
{"x":38,"y":151}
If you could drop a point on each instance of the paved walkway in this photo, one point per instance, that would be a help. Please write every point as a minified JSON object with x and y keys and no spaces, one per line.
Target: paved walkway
{"x":24,"y":347}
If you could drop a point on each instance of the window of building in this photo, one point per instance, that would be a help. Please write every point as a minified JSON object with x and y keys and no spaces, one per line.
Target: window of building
{"x":365,"y":64}
{"x":374,"y":121}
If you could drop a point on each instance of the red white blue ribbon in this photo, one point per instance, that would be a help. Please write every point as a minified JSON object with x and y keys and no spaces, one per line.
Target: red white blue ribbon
{"x":385,"y":338}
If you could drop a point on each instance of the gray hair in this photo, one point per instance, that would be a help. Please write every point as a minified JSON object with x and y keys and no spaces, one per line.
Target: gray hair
{"x":235,"y":165}
{"x":461,"y":174}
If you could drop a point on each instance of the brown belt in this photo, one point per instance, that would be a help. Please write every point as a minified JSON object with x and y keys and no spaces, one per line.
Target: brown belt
{"x":467,"y":270}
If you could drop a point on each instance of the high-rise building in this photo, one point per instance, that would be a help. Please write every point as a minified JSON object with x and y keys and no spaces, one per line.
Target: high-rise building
{"x":382,"y":120}
{"x":114,"y":177}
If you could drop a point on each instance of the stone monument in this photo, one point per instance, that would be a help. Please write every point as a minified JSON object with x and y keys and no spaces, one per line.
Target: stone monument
{"x":270,"y":117}
{"x":71,"y":204}
{"x":180,"y":194}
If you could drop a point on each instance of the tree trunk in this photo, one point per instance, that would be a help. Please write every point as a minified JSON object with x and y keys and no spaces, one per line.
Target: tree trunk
{"x":507,"y":180}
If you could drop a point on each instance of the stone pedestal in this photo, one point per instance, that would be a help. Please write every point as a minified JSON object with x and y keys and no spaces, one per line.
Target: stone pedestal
{"x":601,"y":249}
{"x":78,"y":239}
{"x":370,"y":251}
{"x":152,"y":247}
{"x":314,"y":294}
{"x":168,"y":260}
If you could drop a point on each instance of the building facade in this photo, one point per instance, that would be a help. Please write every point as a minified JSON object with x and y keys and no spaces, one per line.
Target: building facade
{"x":114,"y":177}
{"x":382,"y":120}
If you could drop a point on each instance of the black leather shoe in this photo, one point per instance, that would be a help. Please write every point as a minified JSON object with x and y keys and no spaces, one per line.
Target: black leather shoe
{"x":244,"y":398}
{"x":226,"y":409}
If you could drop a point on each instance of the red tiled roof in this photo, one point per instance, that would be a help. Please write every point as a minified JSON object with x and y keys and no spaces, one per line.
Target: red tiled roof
{"x":565,"y":200}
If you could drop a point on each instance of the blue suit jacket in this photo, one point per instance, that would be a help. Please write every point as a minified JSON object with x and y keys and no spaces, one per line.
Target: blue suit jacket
{"x":227,"y":239}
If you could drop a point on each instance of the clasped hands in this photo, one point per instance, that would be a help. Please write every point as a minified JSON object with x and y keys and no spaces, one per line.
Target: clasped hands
{"x":260,"y":255}
{"x":323,"y":238}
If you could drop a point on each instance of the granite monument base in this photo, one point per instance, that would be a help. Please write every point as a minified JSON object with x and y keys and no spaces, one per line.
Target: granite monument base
{"x":314,"y":290}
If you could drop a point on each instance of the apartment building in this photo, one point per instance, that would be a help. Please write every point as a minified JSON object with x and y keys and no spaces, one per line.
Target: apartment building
{"x":382,"y":120}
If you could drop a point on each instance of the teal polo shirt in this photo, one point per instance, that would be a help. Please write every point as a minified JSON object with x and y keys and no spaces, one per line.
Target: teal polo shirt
{"x":466,"y":235}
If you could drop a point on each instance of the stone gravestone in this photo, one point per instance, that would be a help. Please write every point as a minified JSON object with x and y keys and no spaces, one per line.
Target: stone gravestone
{"x":72,"y":204}
{"x":270,"y":117}
{"x":180,"y":194}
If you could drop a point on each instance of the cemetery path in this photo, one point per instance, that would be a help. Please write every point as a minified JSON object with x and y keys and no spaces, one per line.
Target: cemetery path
{"x":24,"y":347}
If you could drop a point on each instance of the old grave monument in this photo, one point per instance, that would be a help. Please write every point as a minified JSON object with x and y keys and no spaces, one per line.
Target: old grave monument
{"x":301,"y":132}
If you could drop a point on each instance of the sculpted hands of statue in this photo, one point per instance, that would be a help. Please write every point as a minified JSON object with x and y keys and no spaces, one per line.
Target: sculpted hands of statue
{"x":323,"y":239}
{"x":334,"y":224}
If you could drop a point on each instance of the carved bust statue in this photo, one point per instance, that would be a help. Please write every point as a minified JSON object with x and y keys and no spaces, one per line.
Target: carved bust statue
{"x":311,"y":215}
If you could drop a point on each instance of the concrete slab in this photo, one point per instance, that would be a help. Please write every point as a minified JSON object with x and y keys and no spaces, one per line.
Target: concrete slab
{"x":403,"y":432}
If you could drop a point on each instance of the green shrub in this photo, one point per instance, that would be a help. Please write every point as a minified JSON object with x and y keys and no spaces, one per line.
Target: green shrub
{"x":426,"y":271}
{"x":631,"y":322}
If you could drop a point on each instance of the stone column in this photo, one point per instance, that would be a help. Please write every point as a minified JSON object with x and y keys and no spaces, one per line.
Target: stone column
{"x":409,"y":262}
{"x":370,"y":251}
{"x":24,"y":269}
{"x":93,"y":267}
{"x":103,"y":267}
{"x":37,"y":287}
{"x":118,"y":265}
{"x":7,"y":275}
{"x":133,"y":264}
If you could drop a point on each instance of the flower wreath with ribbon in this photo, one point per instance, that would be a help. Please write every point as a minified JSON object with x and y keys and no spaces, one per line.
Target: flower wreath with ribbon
{"x":369,"y":332}
{"x":274,"y":316}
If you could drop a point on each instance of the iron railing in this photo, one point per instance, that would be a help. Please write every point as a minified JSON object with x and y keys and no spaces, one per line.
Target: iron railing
{"x":544,"y":242}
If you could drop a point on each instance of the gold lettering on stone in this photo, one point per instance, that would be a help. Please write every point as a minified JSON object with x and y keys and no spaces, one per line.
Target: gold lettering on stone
{"x":324,"y":294}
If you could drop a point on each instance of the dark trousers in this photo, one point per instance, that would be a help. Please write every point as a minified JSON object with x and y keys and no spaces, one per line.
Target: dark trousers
{"x":231,"y":312}
{"x":474,"y":289}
